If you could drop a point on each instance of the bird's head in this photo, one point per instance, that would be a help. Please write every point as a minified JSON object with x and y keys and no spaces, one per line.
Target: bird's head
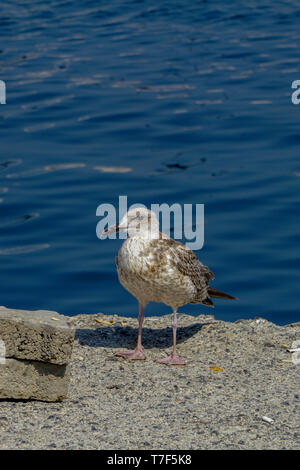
{"x":138,"y":221}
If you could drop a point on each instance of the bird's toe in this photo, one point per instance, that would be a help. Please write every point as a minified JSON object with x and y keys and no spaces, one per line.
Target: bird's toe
{"x":136,"y":354}
{"x":172,"y":360}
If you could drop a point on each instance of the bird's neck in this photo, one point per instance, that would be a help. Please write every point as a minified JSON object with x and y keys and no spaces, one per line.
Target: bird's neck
{"x":146,"y":234}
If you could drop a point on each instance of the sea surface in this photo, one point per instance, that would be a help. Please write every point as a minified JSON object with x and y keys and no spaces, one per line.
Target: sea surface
{"x":164,"y":102}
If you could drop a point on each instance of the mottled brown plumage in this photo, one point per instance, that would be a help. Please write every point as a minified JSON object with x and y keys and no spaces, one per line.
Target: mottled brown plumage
{"x":154,"y":267}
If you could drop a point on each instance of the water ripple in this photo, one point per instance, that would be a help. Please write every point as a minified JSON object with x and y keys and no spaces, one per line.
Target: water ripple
{"x":45,"y":169}
{"x":19,"y":250}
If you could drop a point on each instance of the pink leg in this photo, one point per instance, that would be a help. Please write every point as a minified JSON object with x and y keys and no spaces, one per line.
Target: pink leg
{"x":173,"y":359}
{"x":138,"y":352}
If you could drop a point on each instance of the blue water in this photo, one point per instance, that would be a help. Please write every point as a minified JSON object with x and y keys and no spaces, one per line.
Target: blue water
{"x":195,"y":99}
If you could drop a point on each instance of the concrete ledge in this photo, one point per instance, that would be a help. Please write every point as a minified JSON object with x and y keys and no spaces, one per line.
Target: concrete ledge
{"x":35,"y":350}
{"x":236,"y":374}
{"x":21,"y":379}
{"x":39,"y":335}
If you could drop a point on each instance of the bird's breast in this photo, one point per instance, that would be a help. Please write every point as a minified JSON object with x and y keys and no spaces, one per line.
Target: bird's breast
{"x":136,"y":258}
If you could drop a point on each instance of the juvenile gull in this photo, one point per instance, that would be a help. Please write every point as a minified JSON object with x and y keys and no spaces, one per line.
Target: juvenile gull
{"x":154,"y":267}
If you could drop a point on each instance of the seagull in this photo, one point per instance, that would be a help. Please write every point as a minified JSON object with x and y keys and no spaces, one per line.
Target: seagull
{"x":154,"y":267}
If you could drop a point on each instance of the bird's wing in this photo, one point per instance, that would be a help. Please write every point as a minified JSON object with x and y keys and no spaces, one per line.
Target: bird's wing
{"x":186,"y":262}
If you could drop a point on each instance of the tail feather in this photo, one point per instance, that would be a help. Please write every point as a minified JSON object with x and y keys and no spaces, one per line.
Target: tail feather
{"x":219,"y":294}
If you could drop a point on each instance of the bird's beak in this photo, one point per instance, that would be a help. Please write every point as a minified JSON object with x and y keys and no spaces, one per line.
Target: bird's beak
{"x":113,"y":229}
{"x":110,"y":229}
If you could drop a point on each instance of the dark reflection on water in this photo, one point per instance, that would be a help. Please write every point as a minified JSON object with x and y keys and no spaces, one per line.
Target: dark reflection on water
{"x":185,"y":102}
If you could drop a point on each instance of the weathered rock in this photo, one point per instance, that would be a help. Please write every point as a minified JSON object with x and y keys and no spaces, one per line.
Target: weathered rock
{"x":20,"y":379}
{"x":36,"y":348}
{"x":39,"y":335}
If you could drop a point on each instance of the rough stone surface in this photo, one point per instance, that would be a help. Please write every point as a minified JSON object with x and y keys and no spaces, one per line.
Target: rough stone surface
{"x":117,"y":404}
{"x":39,"y":335}
{"x":21,"y":379}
